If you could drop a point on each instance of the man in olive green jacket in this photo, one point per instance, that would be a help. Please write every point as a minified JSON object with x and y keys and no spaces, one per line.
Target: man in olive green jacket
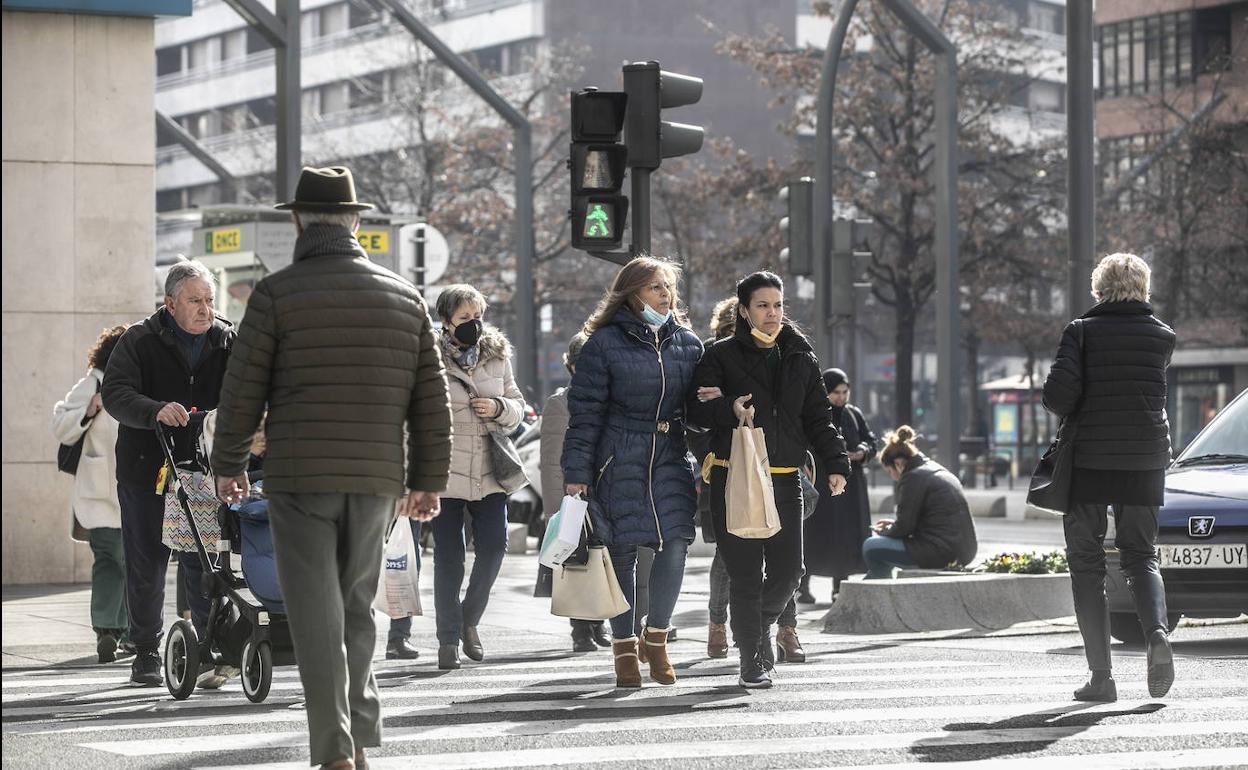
{"x":342,"y":353}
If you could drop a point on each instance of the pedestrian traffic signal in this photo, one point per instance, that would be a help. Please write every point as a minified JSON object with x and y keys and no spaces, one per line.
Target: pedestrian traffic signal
{"x":651,"y":90}
{"x":797,"y":225}
{"x":597,"y":161}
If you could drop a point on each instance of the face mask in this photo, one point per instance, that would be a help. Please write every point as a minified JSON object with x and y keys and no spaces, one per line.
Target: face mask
{"x":761,"y":336}
{"x":469,"y":332}
{"x":653,"y":317}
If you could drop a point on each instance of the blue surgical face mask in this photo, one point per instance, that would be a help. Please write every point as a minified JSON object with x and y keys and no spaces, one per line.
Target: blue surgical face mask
{"x":653,"y":317}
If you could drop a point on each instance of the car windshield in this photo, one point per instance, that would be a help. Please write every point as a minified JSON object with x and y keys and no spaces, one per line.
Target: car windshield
{"x":1224,"y":439}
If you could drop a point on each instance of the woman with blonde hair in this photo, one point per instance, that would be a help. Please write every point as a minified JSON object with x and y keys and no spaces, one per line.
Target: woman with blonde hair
{"x":1108,"y":384}
{"x":625,"y":448}
{"x":933,"y":527}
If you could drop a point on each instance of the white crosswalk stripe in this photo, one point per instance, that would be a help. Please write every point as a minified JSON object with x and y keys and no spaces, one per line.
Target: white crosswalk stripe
{"x":863,"y":708}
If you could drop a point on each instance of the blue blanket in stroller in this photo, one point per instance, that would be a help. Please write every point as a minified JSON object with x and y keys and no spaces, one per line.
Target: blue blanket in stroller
{"x":259,"y":562}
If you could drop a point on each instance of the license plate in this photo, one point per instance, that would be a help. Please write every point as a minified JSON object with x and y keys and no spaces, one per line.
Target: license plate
{"x":1210,"y":556}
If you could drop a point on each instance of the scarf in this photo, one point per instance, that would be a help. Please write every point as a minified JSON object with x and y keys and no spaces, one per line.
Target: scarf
{"x":466,"y":357}
{"x":321,"y":240}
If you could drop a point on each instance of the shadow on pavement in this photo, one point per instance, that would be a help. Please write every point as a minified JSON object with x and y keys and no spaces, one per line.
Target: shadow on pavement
{"x":935,"y":750}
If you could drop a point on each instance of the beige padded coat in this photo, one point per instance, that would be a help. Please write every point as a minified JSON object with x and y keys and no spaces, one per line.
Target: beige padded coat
{"x":94,"y":499}
{"x":472,"y":476}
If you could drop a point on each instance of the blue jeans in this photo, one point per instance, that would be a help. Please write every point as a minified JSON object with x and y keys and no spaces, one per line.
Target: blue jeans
{"x":401,"y":628}
{"x":666,"y":575}
{"x":489,"y":542}
{"x":882,"y":554}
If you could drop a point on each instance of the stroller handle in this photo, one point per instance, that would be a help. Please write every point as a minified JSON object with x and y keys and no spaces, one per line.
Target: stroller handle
{"x":164,"y":433}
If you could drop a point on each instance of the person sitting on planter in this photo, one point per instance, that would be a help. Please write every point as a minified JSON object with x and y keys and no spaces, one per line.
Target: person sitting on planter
{"x":933,"y":527}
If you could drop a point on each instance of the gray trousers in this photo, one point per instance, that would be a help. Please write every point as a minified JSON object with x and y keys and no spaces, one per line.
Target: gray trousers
{"x":328,"y":549}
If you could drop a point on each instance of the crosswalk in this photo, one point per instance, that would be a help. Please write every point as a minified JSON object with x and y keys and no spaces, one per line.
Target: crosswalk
{"x":878,"y":706}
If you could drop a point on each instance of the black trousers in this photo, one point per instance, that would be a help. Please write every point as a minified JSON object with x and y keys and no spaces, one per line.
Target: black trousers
{"x":147,"y":559}
{"x":1136,"y":540}
{"x":762,"y":574}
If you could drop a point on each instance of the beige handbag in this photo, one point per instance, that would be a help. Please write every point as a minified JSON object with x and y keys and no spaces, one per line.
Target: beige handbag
{"x":590,"y":592}
{"x":748,"y":498}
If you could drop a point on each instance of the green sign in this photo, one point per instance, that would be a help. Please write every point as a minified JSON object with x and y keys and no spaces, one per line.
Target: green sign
{"x":598,"y":222}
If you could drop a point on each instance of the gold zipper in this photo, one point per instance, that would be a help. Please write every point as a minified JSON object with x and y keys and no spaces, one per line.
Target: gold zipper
{"x":654,"y":438}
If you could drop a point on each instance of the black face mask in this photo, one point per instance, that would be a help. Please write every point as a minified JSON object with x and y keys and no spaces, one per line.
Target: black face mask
{"x":469,"y":332}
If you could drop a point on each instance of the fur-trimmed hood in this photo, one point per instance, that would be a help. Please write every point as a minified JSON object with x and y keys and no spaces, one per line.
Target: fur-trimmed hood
{"x":494,"y":344}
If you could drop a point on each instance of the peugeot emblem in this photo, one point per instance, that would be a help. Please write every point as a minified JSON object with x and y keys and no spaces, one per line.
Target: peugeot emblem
{"x":1200,"y":526}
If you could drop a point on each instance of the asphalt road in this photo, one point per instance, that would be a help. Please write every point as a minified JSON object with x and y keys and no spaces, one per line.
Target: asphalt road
{"x":882,"y":702}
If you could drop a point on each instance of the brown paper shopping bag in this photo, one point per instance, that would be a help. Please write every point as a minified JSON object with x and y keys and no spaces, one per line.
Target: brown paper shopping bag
{"x":749,"y":500}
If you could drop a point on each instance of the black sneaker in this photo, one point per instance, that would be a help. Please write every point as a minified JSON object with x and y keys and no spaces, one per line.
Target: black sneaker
{"x":754,"y":676}
{"x":145,"y":670}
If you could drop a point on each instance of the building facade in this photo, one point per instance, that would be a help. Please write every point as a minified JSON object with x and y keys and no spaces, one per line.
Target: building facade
{"x":79,"y":170}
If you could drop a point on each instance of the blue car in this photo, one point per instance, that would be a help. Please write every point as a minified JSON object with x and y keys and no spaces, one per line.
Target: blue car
{"x":1202,"y":530}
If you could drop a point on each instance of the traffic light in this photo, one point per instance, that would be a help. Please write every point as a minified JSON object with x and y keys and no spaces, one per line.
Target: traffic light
{"x":850,"y":240}
{"x":799,"y":198}
{"x":651,"y":90}
{"x":597,"y":161}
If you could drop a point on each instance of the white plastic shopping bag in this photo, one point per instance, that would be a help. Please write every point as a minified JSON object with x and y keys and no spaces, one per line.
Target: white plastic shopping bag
{"x":398,"y":589}
{"x":563,"y":532}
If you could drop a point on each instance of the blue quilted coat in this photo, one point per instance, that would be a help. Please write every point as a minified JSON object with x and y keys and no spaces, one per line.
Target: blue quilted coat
{"x":625,"y":434}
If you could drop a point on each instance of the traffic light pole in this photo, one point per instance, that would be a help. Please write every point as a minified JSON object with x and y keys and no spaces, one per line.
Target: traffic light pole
{"x":949,"y":372}
{"x":522,"y":153}
{"x":1080,"y":200}
{"x":640,"y":205}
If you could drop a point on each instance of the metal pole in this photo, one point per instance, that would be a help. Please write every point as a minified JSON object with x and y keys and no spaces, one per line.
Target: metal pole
{"x":821,"y":215}
{"x":289,"y":129}
{"x":200,"y":153}
{"x":948,"y":296}
{"x":522,"y":152}
{"x":1080,"y":203}
{"x":640,"y":210}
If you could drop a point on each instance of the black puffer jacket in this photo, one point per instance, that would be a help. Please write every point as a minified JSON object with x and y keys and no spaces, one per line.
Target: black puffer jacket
{"x":1116,"y":385}
{"x":147,"y":370}
{"x":932,"y":516}
{"x":791,"y":408}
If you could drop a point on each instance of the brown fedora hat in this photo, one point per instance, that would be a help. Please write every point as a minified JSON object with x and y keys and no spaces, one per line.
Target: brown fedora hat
{"x":325,"y":189}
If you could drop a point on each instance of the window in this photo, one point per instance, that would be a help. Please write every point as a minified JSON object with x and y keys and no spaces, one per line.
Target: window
{"x":1151,"y":54}
{"x":1045,"y":97}
{"x":1043,"y":17}
{"x":488,"y":60}
{"x":369,"y":90}
{"x":234,"y":45}
{"x":362,"y":14}
{"x":168,"y":60}
{"x":204,"y":53}
{"x":334,"y":19}
{"x":168,"y":200}
{"x":335,"y":97}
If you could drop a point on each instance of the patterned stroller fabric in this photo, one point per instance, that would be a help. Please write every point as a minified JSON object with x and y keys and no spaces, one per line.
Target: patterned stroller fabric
{"x":194,"y":477}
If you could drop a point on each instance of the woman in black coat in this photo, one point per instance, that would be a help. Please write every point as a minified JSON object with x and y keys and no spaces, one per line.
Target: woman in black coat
{"x":836,"y":530}
{"x":1109,"y":385}
{"x":933,"y":527}
{"x":769,"y":368}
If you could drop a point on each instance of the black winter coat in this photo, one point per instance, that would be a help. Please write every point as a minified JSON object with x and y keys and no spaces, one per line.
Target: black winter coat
{"x":1116,"y":387}
{"x":834,"y":533}
{"x":932,"y":516}
{"x":627,"y":381}
{"x":792,"y":407}
{"x":147,"y":370}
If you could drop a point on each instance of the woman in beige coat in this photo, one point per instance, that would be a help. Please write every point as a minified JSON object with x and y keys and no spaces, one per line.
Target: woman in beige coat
{"x":95,"y":515}
{"x":486,"y":406}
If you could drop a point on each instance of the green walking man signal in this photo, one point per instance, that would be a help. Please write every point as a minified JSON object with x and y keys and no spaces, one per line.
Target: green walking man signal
{"x":598,"y":222}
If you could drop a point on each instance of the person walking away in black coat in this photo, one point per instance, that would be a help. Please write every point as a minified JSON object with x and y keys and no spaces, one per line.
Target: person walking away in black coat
{"x":1114,"y":388}
{"x":835,"y":532}
{"x":723,"y":321}
{"x":769,"y":367}
{"x":933,"y":527}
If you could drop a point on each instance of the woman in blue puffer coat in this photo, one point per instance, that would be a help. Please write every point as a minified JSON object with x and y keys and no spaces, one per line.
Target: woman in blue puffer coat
{"x":625,"y":447}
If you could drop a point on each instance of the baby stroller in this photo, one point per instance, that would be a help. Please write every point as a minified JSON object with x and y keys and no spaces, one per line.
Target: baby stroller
{"x":247,"y":621}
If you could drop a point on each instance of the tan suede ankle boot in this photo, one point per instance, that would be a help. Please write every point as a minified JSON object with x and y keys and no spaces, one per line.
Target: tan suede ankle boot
{"x":627,"y":670}
{"x":655,"y":641}
{"x":716,"y":640}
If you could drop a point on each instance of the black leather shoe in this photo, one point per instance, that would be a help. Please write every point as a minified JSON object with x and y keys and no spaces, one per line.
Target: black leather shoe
{"x":401,"y":649}
{"x":472,"y":644}
{"x":583,"y":639}
{"x":448,"y":657}
{"x":1160,"y":663}
{"x":599,"y":631}
{"x":1099,"y":689}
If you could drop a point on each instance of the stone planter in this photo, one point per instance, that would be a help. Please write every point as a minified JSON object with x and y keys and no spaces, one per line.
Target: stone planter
{"x":975,"y":602}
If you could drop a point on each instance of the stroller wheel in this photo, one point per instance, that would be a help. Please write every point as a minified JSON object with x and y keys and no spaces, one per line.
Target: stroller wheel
{"x":181,"y":660}
{"x":257,"y":673}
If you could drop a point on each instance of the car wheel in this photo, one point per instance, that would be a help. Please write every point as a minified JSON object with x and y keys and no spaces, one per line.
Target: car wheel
{"x":1125,"y":626}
